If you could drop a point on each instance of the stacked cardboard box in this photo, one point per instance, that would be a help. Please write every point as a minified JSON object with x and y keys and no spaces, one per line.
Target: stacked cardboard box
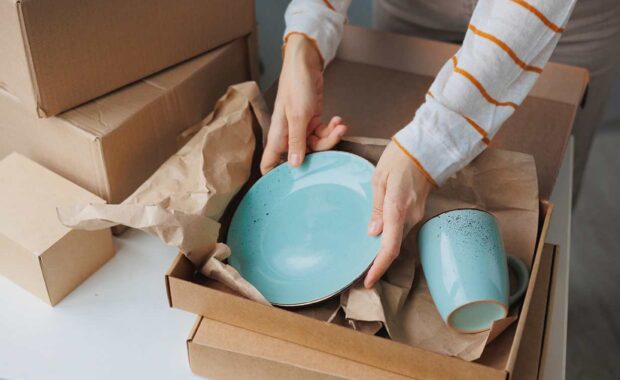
{"x":369,"y":66}
{"x":71,"y":51}
{"x":103,"y":92}
{"x":58,"y":54}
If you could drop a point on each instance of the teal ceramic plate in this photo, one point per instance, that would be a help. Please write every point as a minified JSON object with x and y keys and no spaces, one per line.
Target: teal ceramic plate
{"x":300,"y":235}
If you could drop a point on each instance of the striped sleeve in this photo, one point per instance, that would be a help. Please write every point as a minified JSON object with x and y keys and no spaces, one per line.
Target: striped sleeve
{"x":320,"y":20}
{"x":507,"y":44}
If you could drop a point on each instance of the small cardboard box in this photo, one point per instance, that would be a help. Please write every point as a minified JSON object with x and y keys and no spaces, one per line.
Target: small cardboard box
{"x":36,"y":251}
{"x":213,"y":345}
{"x":111,"y":145}
{"x":57,"y":54}
{"x":376,"y":82}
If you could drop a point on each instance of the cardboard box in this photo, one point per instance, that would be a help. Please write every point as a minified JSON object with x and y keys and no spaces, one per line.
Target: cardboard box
{"x":213,"y":345}
{"x":111,"y":145}
{"x":546,"y":353}
{"x":57,"y":54}
{"x":530,"y":357}
{"x":205,"y":297}
{"x":376,"y":83}
{"x":36,"y":251}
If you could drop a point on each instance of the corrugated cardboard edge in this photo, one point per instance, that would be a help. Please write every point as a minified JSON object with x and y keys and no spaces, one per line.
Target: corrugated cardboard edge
{"x":30,"y":268}
{"x":190,"y":338}
{"x":96,"y":142}
{"x":31,"y":69}
{"x":512,"y":357}
{"x":547,"y":327}
{"x":63,"y":251}
{"x":528,"y":362}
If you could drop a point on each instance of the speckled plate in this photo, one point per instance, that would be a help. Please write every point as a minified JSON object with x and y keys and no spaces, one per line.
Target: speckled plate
{"x":300,"y":235}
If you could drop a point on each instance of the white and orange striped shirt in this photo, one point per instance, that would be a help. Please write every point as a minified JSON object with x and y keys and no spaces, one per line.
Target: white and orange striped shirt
{"x":505,"y":48}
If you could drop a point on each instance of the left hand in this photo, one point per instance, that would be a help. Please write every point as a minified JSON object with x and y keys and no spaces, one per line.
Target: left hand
{"x":399,"y":191}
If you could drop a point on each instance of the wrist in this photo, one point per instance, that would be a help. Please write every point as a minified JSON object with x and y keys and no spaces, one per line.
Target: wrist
{"x":419,"y":170}
{"x":422,"y":184}
{"x":302,"y":49}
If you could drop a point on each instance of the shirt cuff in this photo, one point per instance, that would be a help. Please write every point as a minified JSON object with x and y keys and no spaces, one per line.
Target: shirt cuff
{"x":317,"y":22}
{"x":439,"y":141}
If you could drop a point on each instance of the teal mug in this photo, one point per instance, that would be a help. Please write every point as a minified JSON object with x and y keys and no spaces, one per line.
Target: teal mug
{"x":466,"y":268}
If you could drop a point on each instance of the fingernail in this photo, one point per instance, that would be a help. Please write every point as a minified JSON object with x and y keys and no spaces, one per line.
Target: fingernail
{"x":372,"y":228}
{"x":294,"y":159}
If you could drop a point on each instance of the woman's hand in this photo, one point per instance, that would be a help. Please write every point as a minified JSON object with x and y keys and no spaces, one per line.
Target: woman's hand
{"x":399,"y":197}
{"x":296,"y":124}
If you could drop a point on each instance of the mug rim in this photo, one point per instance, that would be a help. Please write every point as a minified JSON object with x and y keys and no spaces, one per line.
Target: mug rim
{"x":457,"y":209}
{"x":486,"y":300}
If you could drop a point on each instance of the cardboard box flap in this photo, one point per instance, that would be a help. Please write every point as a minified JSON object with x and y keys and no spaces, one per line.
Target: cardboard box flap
{"x":29,"y":196}
{"x":378,"y":80}
{"x":220,"y":336}
{"x":101,"y":116}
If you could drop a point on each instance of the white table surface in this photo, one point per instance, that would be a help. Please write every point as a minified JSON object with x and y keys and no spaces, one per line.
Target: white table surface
{"x":117,"y":324}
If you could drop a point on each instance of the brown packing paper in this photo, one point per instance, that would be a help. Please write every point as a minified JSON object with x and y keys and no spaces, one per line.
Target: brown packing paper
{"x":182,"y":201}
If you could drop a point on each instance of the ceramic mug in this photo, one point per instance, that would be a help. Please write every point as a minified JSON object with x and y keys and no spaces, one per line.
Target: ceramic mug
{"x":466,"y":268}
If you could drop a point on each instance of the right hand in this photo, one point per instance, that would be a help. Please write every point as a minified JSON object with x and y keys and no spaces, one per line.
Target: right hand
{"x":296,"y":124}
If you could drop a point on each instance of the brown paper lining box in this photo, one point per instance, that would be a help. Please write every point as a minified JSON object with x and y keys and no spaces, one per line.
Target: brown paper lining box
{"x":57,"y":54}
{"x":36,"y":251}
{"x":213,"y":345}
{"x":111,"y":145}
{"x":376,"y":83}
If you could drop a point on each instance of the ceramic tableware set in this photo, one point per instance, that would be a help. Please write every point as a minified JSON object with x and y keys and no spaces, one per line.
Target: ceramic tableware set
{"x":300,"y":236}
{"x":466,"y":268}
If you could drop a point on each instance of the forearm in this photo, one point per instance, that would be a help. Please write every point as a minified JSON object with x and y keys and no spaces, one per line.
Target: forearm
{"x":322,"y":21}
{"x":507,"y":45}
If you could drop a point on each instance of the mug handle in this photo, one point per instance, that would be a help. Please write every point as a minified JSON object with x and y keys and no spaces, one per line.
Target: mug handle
{"x":523,"y":277}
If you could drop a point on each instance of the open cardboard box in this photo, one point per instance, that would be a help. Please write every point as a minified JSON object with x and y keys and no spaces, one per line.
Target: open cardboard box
{"x":213,"y":345}
{"x":376,"y":83}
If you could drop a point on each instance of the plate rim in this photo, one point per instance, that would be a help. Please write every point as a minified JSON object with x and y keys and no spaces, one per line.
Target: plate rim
{"x":336,"y":292}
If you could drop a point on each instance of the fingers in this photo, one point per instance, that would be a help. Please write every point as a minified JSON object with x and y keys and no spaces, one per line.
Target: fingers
{"x":391,"y":239}
{"x":298,"y":125}
{"x":375,"y":225}
{"x":272,"y":154}
{"x":323,"y":130}
{"x":327,"y":136}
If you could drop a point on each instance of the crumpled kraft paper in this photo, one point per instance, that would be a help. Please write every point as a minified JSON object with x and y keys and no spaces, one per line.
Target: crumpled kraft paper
{"x":501,"y":182}
{"x":182,"y":201}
